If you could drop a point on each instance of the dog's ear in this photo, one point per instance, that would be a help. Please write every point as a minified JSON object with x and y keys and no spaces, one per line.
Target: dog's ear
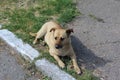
{"x":53,"y":29}
{"x":68,"y":31}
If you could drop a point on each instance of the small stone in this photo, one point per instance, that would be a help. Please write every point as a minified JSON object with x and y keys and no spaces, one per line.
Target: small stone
{"x":97,"y":72}
{"x":33,"y":73}
{"x":102,"y":79}
{"x":12,"y":52}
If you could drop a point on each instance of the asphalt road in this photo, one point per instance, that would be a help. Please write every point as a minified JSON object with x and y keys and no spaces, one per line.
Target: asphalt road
{"x":96,"y":37}
{"x":10,"y":69}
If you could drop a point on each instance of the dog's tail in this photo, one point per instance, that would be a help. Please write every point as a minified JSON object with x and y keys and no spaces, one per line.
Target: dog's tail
{"x":33,"y":34}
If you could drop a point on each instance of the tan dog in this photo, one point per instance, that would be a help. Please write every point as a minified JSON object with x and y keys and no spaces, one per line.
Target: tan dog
{"x":59,"y":43}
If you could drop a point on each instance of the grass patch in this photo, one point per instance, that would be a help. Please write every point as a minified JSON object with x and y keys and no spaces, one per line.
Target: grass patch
{"x":30,"y":15}
{"x":22,"y":20}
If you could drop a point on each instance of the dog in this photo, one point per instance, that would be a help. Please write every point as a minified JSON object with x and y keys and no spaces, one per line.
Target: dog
{"x":58,"y":41}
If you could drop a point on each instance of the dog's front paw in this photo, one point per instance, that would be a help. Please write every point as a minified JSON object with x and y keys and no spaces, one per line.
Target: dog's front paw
{"x":61,"y":64}
{"x":34,"y":42}
{"x":78,"y":70}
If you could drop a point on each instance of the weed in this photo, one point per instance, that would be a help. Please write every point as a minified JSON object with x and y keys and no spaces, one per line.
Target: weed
{"x":96,"y":18}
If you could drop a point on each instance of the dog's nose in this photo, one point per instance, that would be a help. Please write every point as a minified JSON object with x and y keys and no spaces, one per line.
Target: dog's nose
{"x":58,"y":46}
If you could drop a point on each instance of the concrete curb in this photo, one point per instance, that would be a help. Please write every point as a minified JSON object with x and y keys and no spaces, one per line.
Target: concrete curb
{"x":24,"y":49}
{"x":52,"y":70}
{"x":29,"y":53}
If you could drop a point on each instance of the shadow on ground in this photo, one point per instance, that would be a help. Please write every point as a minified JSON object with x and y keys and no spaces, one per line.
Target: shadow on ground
{"x":85,"y":56}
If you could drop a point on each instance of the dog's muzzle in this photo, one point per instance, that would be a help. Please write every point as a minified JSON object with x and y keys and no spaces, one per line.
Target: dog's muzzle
{"x":58,"y":46}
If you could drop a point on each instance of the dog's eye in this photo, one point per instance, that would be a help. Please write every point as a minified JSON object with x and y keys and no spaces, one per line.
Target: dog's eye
{"x":62,"y":39}
{"x":55,"y":38}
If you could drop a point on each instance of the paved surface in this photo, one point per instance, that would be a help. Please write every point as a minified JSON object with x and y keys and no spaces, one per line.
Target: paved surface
{"x":97,"y":43}
{"x":9,"y":67}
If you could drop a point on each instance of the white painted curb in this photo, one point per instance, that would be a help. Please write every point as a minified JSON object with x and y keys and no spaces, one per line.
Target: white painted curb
{"x":24,"y":49}
{"x":29,"y":53}
{"x":52,"y":70}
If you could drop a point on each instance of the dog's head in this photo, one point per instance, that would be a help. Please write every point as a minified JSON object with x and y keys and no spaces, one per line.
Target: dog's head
{"x":61,"y":37}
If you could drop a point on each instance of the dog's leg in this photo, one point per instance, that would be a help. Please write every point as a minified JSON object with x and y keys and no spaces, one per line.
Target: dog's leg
{"x":35,"y":35}
{"x":35,"y":41}
{"x":60,"y":62}
{"x":40,"y":33}
{"x":75,"y":65}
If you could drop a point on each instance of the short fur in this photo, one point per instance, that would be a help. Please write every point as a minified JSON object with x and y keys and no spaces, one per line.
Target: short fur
{"x":58,"y":40}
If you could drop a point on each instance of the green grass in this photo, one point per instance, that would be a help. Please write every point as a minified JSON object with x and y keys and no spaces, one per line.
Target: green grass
{"x":22,"y":20}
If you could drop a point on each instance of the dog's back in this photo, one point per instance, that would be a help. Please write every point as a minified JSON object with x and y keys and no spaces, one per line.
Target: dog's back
{"x":47,"y":27}
{"x":44,"y":29}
